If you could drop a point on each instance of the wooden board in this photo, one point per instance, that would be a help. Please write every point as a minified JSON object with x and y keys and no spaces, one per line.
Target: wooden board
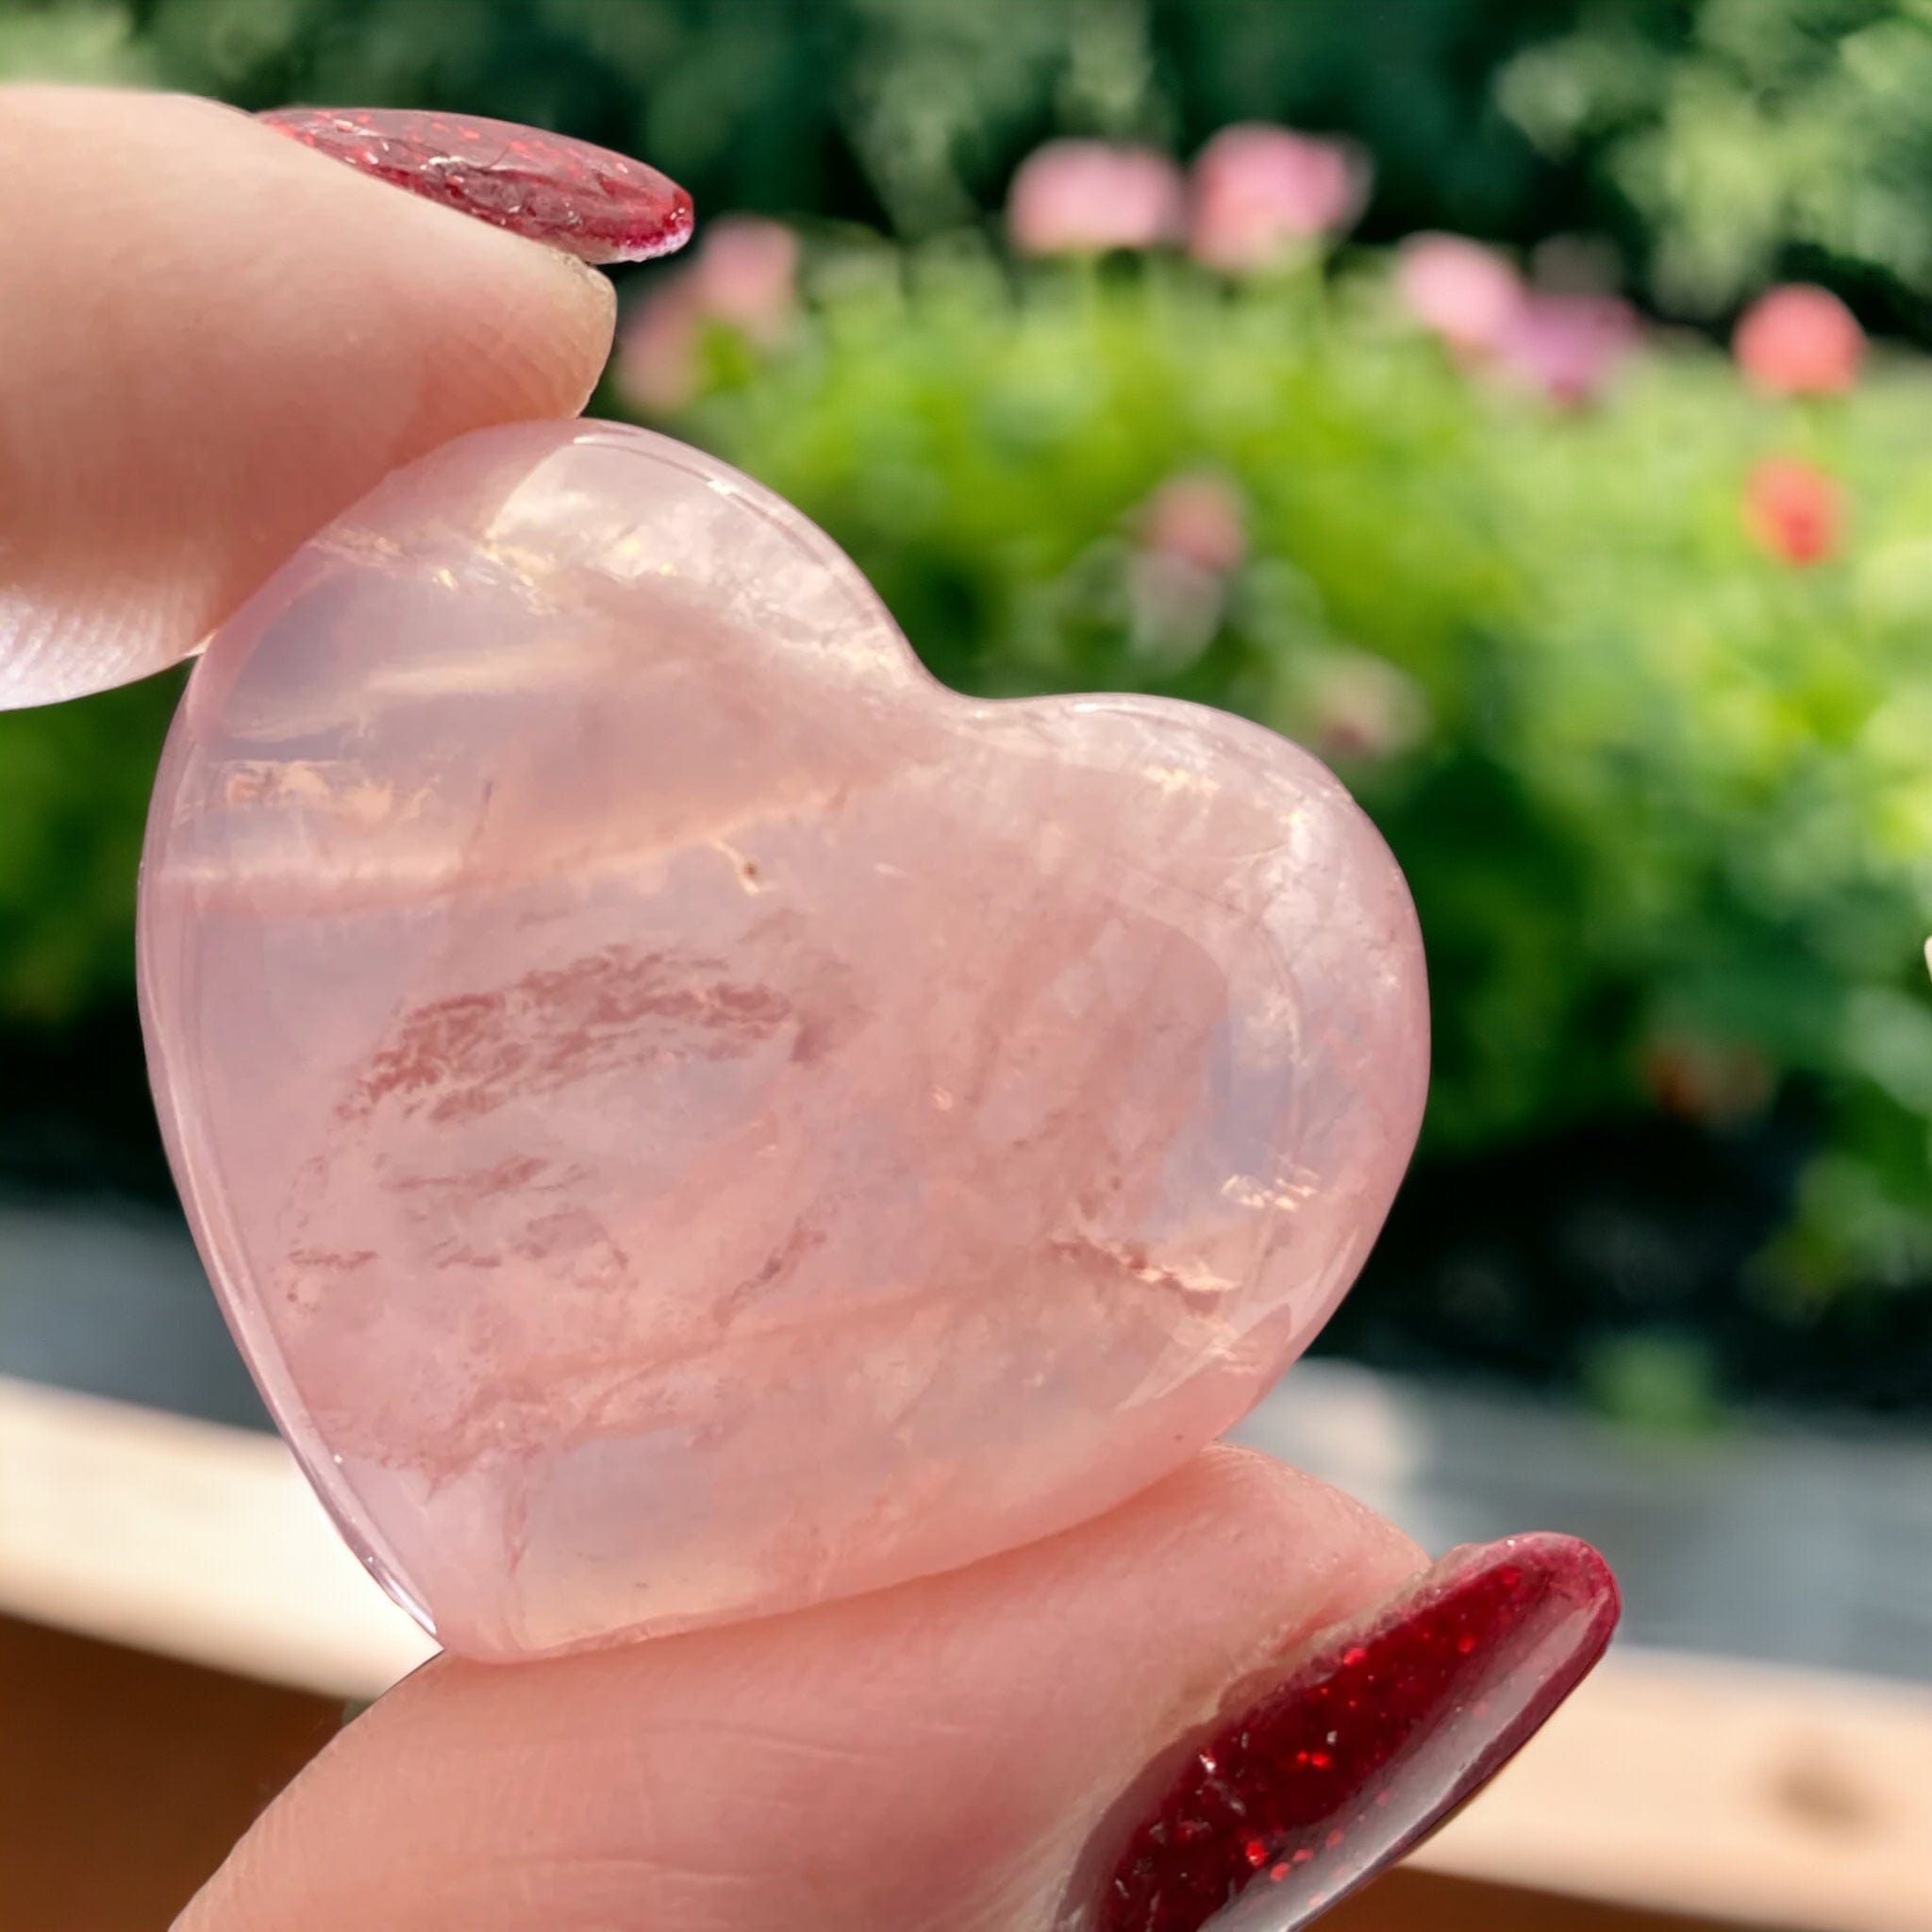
{"x":1780,"y":1798}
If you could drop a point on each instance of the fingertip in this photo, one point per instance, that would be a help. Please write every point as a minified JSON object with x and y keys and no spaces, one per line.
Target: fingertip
{"x":934,"y":1754}
{"x":231,"y":340}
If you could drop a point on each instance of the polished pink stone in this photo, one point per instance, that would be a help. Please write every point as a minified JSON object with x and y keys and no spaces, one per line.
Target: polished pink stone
{"x":689,"y":1118}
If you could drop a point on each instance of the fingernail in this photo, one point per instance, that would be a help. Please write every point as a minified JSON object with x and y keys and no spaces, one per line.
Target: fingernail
{"x":1318,"y":1779}
{"x":590,"y":202}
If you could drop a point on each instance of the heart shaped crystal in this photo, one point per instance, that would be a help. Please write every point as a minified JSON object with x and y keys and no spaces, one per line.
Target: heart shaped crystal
{"x":687,"y":1117}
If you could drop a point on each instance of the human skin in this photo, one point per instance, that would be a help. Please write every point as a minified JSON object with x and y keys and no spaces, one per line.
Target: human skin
{"x":231,"y":338}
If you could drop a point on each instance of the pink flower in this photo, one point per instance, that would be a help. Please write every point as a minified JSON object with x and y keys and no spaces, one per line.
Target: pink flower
{"x":1794,"y":511}
{"x":745,"y":274}
{"x":655,"y":366}
{"x":1261,"y":193}
{"x":1361,"y":706}
{"x":1799,"y":340}
{"x":1083,"y":197}
{"x":1198,"y":518}
{"x":1565,"y":344}
{"x":1467,"y":293}
{"x":1568,"y":346}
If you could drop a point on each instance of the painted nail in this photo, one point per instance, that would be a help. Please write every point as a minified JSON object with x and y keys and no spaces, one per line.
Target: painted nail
{"x":586,"y":201}
{"x":1313,"y":1781}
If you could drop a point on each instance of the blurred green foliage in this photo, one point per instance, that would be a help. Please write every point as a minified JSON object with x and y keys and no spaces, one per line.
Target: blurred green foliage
{"x":1721,"y":142}
{"x":73,"y":787}
{"x":1748,"y":137}
{"x":1663,"y":799}
{"x":1660,"y":1384}
{"x":913,"y":113}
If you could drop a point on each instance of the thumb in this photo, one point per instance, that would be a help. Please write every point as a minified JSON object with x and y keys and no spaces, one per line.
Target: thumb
{"x":230,"y":339}
{"x":1240,"y":1686}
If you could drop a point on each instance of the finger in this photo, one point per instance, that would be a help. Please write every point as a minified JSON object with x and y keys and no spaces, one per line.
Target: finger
{"x":213,"y":339}
{"x":967,"y":1754}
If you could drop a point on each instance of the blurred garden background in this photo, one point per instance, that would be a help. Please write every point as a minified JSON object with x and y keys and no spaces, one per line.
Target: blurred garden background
{"x":1525,"y":404}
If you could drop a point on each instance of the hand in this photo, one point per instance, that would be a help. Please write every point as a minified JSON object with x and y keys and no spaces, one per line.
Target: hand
{"x":218,"y":339}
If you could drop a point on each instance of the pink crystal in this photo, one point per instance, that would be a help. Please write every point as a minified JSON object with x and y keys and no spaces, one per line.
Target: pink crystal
{"x":687,"y":1117}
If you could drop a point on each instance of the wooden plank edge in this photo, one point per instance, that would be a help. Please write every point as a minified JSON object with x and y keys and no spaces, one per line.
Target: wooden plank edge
{"x":1743,"y":1793}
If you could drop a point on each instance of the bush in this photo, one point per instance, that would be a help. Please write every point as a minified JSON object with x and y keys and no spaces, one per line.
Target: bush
{"x":908,"y":112}
{"x":1736,"y":138}
{"x":1623,"y":652}
{"x":1721,"y":141}
{"x":73,"y":787}
{"x":1646,"y":733}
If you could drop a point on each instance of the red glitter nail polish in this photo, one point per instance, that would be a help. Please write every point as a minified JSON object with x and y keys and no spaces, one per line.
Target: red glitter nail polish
{"x":586,"y":201}
{"x":1313,"y":1784}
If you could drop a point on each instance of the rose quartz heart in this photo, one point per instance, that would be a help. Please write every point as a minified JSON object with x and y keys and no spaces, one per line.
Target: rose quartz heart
{"x":687,"y":1117}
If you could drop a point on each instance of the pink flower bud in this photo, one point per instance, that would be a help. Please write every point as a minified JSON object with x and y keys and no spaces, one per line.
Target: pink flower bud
{"x":1083,"y":197}
{"x":1568,"y":346}
{"x":1359,"y":707}
{"x":1198,"y":518}
{"x":1799,"y":340}
{"x":655,"y":365}
{"x":1467,"y":293}
{"x":1794,"y":511}
{"x":746,"y":276}
{"x":1262,"y":193}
